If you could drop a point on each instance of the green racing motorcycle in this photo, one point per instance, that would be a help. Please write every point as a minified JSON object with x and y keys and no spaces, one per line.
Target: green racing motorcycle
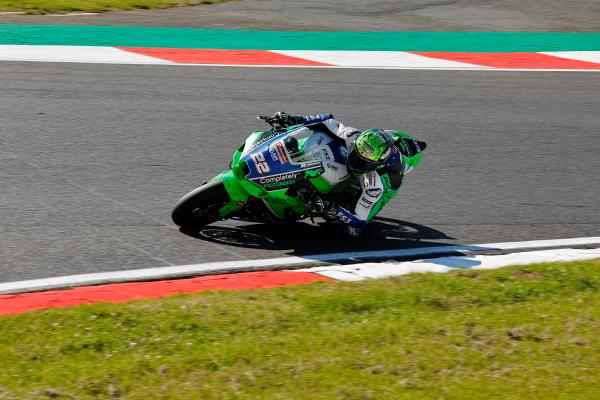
{"x":275,"y":173}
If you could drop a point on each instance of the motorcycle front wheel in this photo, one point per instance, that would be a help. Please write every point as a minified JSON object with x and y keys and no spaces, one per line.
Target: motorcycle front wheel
{"x":200,"y":206}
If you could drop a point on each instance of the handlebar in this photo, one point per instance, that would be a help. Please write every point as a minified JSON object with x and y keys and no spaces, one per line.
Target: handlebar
{"x":273,"y":121}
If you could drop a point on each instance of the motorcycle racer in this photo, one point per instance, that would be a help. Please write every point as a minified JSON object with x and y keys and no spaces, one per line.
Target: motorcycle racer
{"x":372,"y":158}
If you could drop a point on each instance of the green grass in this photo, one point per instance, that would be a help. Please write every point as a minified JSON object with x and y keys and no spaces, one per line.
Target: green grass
{"x":63,"y":6}
{"x":516,"y":333}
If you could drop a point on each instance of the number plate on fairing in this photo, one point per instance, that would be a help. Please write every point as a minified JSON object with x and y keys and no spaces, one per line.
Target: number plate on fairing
{"x":279,"y":161}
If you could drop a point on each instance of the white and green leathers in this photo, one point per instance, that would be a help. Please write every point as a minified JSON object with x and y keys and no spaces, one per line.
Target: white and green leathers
{"x":336,"y":173}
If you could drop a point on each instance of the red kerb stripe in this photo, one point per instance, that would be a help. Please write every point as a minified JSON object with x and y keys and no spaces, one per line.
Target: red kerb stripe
{"x":512,"y":60}
{"x":210,"y":56}
{"x":122,"y":292}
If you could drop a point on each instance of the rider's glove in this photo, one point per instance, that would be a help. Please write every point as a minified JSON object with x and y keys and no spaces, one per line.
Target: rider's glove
{"x":284,"y":120}
{"x":320,"y":206}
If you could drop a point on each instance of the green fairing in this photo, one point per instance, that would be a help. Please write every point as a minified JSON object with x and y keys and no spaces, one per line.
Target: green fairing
{"x":241,"y":189}
{"x":321,"y":184}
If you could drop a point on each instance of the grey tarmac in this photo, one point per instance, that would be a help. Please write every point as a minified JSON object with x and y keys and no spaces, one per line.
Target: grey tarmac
{"x":93,"y":158}
{"x":335,"y":15}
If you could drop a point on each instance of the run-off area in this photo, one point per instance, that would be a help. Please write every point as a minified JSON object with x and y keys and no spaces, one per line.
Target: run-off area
{"x":93,"y":158}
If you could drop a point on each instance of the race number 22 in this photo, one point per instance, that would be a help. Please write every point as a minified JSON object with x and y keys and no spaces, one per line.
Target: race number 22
{"x":260,"y":163}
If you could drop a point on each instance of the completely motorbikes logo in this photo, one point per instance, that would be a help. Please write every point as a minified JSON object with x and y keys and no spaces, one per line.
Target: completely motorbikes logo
{"x":277,"y":180}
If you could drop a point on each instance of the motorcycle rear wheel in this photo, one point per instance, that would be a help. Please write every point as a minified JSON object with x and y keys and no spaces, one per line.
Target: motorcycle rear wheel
{"x":200,"y":206}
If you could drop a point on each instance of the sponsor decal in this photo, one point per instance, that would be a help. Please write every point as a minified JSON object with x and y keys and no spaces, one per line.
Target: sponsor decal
{"x":310,"y":164}
{"x":369,"y":179}
{"x":280,"y":184}
{"x":266,"y":139}
{"x":343,"y":217}
{"x":326,"y":154}
{"x":273,"y":154}
{"x":366,"y":181}
{"x":278,"y":178}
{"x":283,"y":157}
{"x":373,"y":192}
{"x":332,"y":166}
{"x":368,"y":202}
{"x":314,"y":118}
{"x":275,"y":181}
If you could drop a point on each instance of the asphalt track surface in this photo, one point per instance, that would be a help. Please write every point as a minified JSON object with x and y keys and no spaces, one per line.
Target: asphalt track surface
{"x":344,"y":15}
{"x":93,"y":157}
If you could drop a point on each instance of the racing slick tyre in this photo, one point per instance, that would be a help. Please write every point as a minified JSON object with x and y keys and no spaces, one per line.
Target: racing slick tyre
{"x":200,"y":206}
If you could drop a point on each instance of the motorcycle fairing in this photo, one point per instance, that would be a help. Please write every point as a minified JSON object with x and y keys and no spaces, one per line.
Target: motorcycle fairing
{"x":277,"y":161}
{"x":280,"y":203}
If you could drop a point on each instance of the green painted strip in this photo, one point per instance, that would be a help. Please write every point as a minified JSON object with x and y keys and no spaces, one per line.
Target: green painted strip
{"x":277,"y":40}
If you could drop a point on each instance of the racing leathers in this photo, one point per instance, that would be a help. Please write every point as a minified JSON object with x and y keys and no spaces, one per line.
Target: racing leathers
{"x":376,"y":186}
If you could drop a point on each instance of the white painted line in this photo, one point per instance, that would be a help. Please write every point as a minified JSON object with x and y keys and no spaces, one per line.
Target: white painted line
{"x":589,"y":56}
{"x":473,"y":68}
{"x":358,"y":272}
{"x":79,"y":54}
{"x":376,"y":59}
{"x":181,"y":271}
{"x":167,"y":63}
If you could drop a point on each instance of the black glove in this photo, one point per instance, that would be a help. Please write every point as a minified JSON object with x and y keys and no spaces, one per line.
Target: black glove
{"x":280,"y":116}
{"x":282,"y":120}
{"x":286,"y":120}
{"x":320,"y":206}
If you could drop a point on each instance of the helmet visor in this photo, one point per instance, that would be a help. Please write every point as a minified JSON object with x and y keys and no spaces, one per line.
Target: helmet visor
{"x":358,"y":165}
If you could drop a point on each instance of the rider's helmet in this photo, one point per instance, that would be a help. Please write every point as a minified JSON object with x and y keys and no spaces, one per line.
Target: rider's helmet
{"x":372,"y":148}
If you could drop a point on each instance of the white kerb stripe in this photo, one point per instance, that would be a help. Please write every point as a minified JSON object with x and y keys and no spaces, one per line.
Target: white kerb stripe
{"x":357,"y":272}
{"x":375,"y":59}
{"x":221,"y":267}
{"x":589,"y":56}
{"x":80,"y":54}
